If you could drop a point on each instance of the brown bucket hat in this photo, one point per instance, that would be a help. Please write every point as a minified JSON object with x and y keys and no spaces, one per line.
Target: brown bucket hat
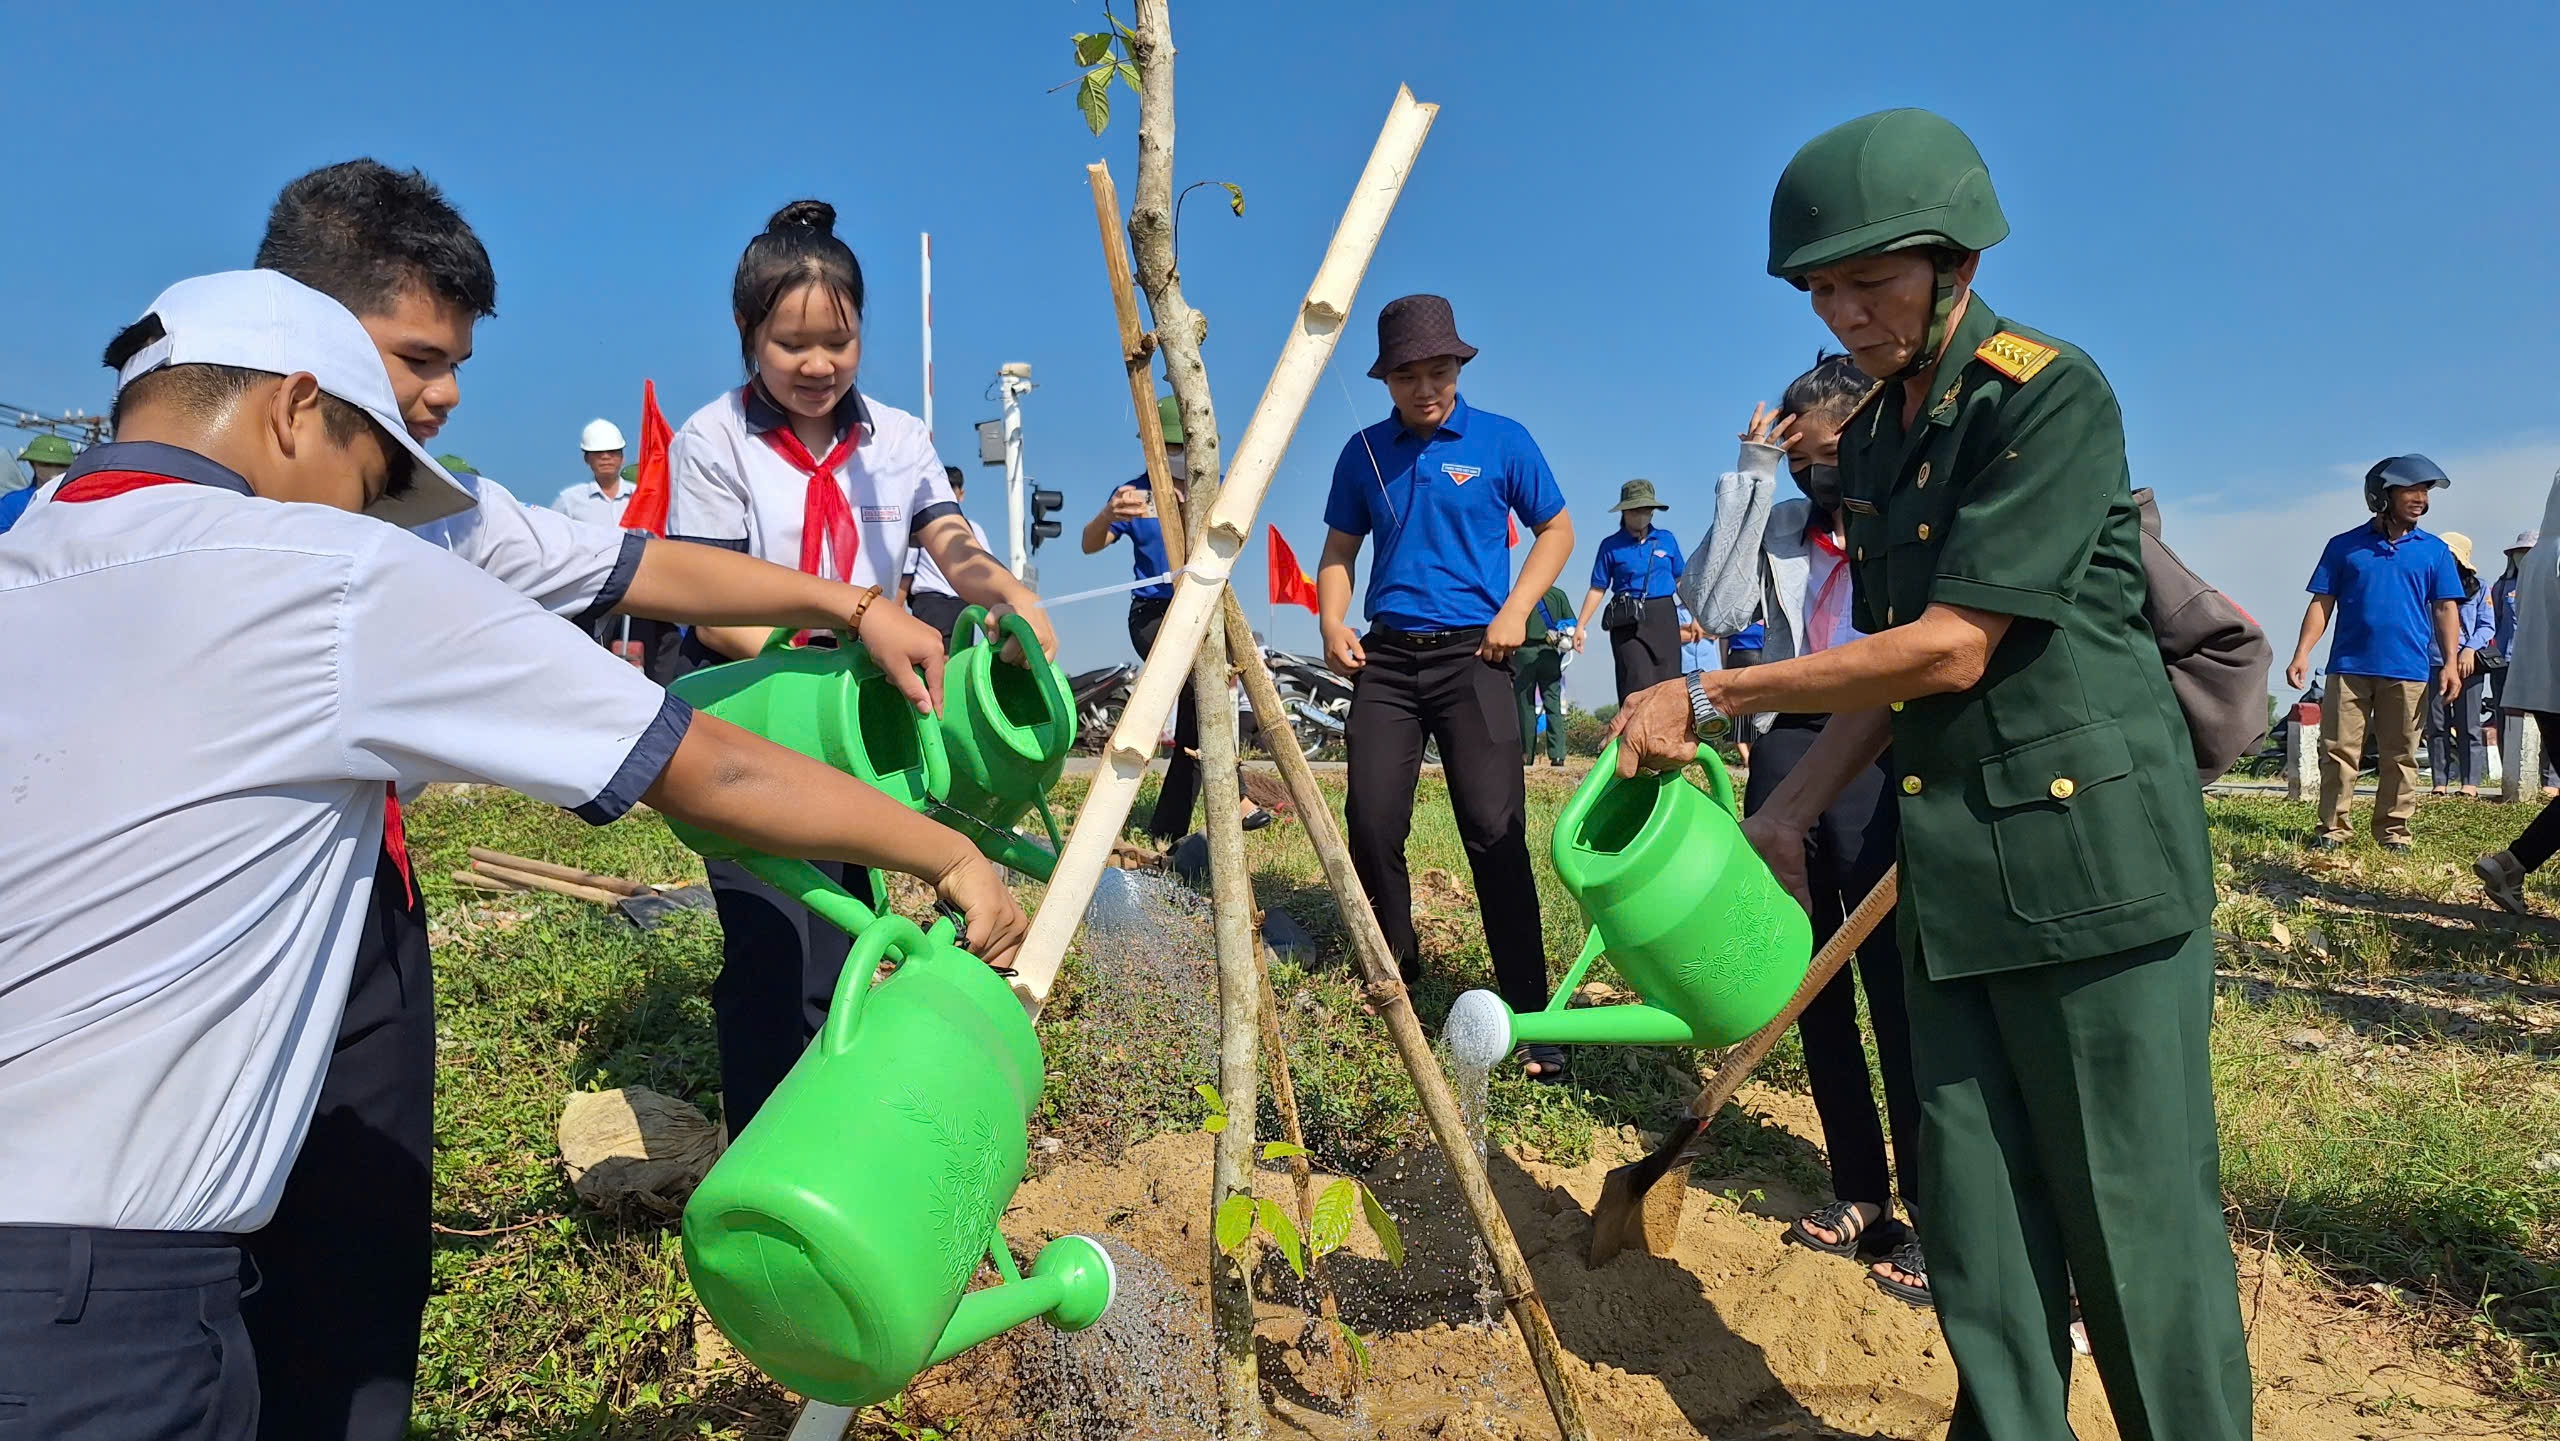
{"x":1417,"y":327}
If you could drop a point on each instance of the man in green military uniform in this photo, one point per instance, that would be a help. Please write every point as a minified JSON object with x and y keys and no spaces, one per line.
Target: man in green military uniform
{"x":2056,"y":887}
{"x":47,"y":456}
{"x":1537,"y":675}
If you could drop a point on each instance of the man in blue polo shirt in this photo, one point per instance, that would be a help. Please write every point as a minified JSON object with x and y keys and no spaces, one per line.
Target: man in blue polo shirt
{"x":2396,"y":593}
{"x":1436,"y":483}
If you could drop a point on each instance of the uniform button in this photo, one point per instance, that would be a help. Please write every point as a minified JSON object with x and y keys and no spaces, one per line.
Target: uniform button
{"x":2061,"y":788}
{"x":1862,"y":552}
{"x":1924,"y":475}
{"x":1888,"y":615}
{"x":1924,"y":530}
{"x":1911,"y":785}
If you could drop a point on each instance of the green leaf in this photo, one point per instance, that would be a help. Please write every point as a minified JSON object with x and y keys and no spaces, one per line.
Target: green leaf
{"x":1383,"y":1226}
{"x":1215,"y":1122}
{"x":1093,"y":97}
{"x":1091,"y":48}
{"x":1284,"y":1231}
{"x":1329,"y":1223}
{"x":1235,"y":196}
{"x":1129,"y":77}
{"x":1127,"y":35}
{"x":1208,"y":1093}
{"x":1281,"y":1150}
{"x":1359,"y":1344}
{"x":1234,"y":1222}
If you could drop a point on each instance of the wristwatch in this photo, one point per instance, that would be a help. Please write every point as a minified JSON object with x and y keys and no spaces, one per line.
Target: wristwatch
{"x":1707,"y":723}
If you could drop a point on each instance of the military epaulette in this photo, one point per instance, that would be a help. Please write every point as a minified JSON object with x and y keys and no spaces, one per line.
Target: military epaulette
{"x":2015,"y":356}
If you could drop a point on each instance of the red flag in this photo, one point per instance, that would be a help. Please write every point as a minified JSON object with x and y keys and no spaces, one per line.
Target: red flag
{"x":1512,"y":521}
{"x":648,"y":508}
{"x":1289,"y":584}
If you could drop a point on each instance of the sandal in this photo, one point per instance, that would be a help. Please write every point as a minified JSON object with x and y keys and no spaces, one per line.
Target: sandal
{"x":1834,"y":1218}
{"x":1550,"y":1061}
{"x":1907,"y":1259}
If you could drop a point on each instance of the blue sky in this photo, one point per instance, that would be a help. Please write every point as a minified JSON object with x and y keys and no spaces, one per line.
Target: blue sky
{"x":2298,"y":238}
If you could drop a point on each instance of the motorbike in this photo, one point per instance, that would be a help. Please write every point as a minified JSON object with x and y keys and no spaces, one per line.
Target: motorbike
{"x":1099,"y":696}
{"x":1319,"y":701}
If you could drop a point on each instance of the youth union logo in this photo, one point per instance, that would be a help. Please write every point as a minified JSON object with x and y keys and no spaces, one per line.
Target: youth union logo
{"x":1461,"y":474}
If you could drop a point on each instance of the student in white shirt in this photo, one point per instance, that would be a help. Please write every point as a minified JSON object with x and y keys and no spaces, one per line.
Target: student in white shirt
{"x":190,"y":846}
{"x":797,"y":466}
{"x":344,"y":1266}
{"x":925,"y":592}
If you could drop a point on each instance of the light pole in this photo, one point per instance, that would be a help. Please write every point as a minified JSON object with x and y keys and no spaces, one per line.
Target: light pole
{"x":1014,"y":380}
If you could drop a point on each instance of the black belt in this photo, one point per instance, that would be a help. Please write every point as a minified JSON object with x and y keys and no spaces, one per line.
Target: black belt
{"x":1469,"y":636}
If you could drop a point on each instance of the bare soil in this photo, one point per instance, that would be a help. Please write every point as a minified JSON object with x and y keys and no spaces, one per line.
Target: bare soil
{"x":1734,"y":1335}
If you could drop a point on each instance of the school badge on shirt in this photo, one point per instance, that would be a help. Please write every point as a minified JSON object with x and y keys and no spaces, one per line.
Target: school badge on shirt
{"x":1461,"y":474}
{"x":877,"y":514}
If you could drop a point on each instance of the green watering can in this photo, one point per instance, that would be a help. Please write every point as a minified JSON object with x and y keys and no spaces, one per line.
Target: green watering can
{"x":834,"y":1241}
{"x":1006,"y":729}
{"x":1681,"y":904}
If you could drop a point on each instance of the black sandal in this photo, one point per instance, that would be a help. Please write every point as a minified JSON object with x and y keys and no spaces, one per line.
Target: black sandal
{"x":1550,"y":1061}
{"x":1907,"y":1259}
{"x":1835,"y":1219}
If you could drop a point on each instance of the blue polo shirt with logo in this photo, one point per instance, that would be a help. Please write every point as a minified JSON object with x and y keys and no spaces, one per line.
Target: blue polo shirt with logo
{"x":1146,"y":542}
{"x":1647,"y":566}
{"x":1439,"y":507}
{"x":2386,"y":592}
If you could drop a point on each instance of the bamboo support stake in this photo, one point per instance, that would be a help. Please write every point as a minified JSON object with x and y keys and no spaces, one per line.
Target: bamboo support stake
{"x":1395,"y":1007}
{"x":559,"y":872}
{"x":1137,"y":354}
{"x":535,"y":881}
{"x":1197,"y":588}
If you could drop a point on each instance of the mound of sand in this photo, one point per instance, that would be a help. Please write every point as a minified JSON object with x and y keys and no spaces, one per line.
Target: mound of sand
{"x":1735,"y":1334}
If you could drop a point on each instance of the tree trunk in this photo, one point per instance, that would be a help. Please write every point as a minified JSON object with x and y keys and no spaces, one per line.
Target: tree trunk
{"x":1178,"y":332}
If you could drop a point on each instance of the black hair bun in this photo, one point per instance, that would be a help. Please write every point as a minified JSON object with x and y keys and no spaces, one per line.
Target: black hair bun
{"x":812,"y":215}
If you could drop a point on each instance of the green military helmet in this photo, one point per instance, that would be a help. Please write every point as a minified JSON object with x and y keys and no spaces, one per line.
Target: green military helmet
{"x":1887,"y":181}
{"x":48,"y":450}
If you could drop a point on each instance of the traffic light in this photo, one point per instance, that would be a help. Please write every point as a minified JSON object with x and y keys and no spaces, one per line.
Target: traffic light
{"x":1044,"y":504}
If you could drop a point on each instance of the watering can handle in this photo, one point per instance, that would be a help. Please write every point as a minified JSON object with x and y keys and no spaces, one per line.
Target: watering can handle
{"x":975,"y":622}
{"x":782,"y":634}
{"x":887,"y":936}
{"x":965,"y":630}
{"x":1719,"y":782}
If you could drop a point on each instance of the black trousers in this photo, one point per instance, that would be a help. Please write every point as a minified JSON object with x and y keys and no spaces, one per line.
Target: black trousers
{"x":1405,"y":693}
{"x":936,"y":609}
{"x":1180,"y":794}
{"x":1846,"y":854}
{"x":1648,"y":652}
{"x":343,"y":1267}
{"x":778,"y":969}
{"x":2534,"y":848}
{"x":123,"y":1336}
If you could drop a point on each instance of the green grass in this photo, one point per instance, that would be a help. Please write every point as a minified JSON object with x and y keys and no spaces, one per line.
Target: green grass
{"x":2390,"y":1103}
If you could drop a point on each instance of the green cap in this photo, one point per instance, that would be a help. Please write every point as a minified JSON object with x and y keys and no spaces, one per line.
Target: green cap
{"x":1170,"y":413}
{"x":48,"y":450}
{"x":1881,"y":182}
{"x":456,"y":465}
{"x":1637,"y":495}
{"x":631,"y":472}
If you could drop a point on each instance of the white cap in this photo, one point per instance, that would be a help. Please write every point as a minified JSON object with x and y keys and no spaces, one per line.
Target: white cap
{"x":2525,"y":540}
{"x":265,"y":321}
{"x":600,"y":435}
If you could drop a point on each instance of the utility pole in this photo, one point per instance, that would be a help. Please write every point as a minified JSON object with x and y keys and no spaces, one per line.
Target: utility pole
{"x":925,"y":240}
{"x":1014,"y":380}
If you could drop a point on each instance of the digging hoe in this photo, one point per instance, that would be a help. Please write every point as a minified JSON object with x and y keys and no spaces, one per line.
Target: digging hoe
{"x":1632,"y":1207}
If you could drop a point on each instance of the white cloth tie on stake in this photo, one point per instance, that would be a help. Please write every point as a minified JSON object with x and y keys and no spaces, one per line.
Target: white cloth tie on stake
{"x":1051,"y":602}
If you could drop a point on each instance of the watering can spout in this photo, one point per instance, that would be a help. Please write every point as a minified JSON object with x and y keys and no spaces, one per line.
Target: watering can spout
{"x":1482,"y":1028}
{"x":1072,"y":1284}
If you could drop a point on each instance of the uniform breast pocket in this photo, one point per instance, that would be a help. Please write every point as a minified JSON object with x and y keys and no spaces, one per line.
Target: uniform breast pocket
{"x":2074,"y":831}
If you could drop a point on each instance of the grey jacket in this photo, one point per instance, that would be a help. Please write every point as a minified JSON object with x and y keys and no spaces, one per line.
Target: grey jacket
{"x":1753,"y":559}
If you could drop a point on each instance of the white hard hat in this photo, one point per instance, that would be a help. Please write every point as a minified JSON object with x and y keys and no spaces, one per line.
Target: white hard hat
{"x":600,"y":435}
{"x":260,"y":320}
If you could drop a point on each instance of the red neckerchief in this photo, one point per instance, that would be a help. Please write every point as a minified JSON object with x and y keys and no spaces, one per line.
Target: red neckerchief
{"x":1822,"y":620}
{"x":102,"y":484}
{"x":826,"y":517}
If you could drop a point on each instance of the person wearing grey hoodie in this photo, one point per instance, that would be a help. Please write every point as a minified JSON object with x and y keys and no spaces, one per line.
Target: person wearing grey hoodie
{"x":1783,"y":559}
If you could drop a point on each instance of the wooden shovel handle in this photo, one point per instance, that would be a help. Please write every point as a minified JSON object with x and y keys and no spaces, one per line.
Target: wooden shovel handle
{"x":537,"y":881}
{"x":1745,"y":1058}
{"x":558,"y":872}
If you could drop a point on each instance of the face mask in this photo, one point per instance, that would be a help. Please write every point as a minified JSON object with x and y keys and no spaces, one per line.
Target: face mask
{"x":1820,"y":484}
{"x":1178,"y":465}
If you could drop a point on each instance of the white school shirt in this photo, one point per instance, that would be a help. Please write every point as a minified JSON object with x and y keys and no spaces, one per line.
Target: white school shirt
{"x":927,"y":578}
{"x":730,"y":488}
{"x":567,"y":567}
{"x":587,"y":503}
{"x":208,"y":693}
